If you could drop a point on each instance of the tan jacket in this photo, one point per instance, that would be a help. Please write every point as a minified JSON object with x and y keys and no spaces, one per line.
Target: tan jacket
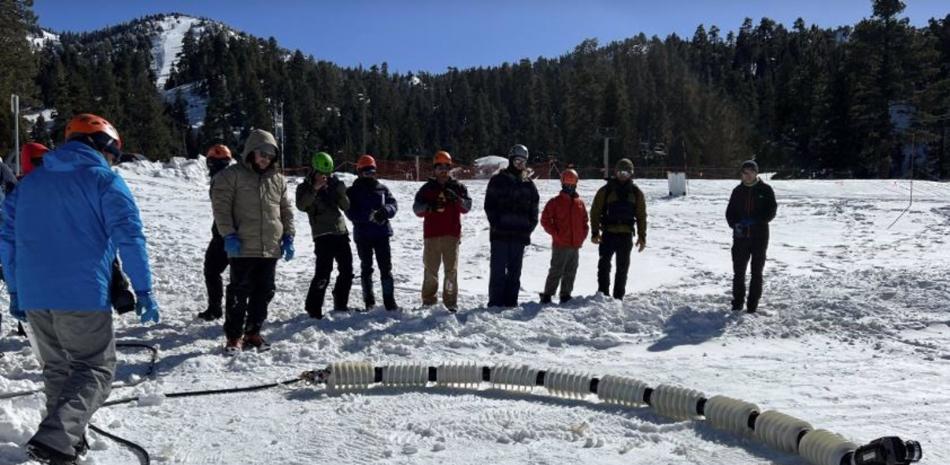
{"x":255,"y":206}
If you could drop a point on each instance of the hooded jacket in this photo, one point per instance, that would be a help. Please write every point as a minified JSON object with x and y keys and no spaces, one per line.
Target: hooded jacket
{"x":511,"y":204}
{"x":325,"y":207}
{"x":620,"y":208}
{"x":253,"y":205}
{"x":61,"y":229}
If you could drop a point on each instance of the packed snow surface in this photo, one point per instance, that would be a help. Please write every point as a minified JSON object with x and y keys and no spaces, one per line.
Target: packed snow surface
{"x":852,"y":337}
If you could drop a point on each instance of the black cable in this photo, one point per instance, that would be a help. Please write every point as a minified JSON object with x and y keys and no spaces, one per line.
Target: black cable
{"x":139,"y":450}
{"x":148,"y":373}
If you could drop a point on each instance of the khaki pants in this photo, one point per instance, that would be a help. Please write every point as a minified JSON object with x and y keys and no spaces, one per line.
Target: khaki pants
{"x":444,"y":250}
{"x":563,"y":270}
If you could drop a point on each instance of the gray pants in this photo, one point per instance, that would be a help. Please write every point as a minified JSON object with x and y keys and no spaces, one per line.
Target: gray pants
{"x":78,"y":351}
{"x":563,"y":270}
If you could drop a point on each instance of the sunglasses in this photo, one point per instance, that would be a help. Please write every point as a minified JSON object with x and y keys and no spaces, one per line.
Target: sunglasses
{"x":625,"y":173}
{"x":441,"y":167}
{"x":368,"y":171}
{"x":519,"y":161}
{"x":267,"y":155}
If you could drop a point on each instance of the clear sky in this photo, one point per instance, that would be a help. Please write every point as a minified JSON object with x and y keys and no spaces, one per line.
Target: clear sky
{"x":432,"y":35}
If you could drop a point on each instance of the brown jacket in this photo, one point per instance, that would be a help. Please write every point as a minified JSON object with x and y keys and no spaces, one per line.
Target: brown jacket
{"x":619,"y":208}
{"x":253,"y":205}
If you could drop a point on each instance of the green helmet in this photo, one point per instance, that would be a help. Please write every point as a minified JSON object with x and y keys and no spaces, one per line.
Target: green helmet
{"x":322,"y":162}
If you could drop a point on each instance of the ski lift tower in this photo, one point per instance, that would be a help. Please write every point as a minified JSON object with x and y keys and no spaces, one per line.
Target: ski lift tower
{"x":606,"y":133}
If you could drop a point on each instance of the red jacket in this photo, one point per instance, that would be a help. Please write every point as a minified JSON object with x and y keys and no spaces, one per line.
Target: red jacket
{"x":565,"y":219}
{"x":442,"y":211}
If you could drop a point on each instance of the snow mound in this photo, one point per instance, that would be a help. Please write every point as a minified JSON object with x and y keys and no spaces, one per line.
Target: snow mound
{"x":486,"y":167}
{"x":191,"y":170}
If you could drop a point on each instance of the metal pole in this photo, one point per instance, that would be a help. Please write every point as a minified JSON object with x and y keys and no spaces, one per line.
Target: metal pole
{"x":606,"y":158}
{"x":15,"y":109}
{"x":363,"y":145}
{"x":282,"y":165}
{"x":417,"y":168}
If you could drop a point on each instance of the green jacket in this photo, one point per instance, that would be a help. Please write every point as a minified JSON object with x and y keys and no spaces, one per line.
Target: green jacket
{"x":619,"y":208}
{"x":324,"y":208}
{"x":253,"y":205}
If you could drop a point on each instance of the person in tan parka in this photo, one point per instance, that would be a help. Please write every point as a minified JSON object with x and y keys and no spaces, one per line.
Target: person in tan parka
{"x":254,"y":215}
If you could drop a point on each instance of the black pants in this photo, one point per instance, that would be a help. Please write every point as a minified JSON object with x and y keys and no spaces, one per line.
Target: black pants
{"x":330,"y":248}
{"x":744,"y":250}
{"x":216,"y":261}
{"x":504,"y":281}
{"x":120,"y":292}
{"x":610,"y":244}
{"x":366,"y":248}
{"x":252,"y":288}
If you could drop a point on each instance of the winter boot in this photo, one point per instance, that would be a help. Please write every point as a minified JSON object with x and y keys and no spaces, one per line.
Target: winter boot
{"x":389,"y":297}
{"x":255,"y":341}
{"x":369,"y":299}
{"x":545,"y":299}
{"x":234,"y":346}
{"x":565,"y":299}
{"x":210,"y":314}
{"x":45,"y":454}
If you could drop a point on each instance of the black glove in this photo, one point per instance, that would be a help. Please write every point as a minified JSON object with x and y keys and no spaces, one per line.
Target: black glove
{"x":451,"y":196}
{"x":379,"y":216}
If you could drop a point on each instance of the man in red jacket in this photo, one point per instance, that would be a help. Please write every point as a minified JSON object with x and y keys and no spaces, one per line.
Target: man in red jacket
{"x":441,"y":202}
{"x":565,"y":219}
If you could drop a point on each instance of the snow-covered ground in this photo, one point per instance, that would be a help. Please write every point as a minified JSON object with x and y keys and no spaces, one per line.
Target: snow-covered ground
{"x":853,"y":337}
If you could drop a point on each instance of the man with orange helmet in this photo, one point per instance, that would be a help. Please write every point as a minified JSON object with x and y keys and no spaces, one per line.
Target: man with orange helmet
{"x":441,"y":202}
{"x":62,"y":228}
{"x":216,"y":258}
{"x":565,"y":219}
{"x":371,"y":207}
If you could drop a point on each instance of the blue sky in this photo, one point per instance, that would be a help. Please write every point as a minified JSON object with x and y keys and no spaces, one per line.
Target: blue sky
{"x":432,"y":35}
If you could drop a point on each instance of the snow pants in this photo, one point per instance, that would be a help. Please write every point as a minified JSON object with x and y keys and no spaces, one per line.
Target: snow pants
{"x":504,"y":282}
{"x":745,"y":250}
{"x":379,"y":247}
{"x":562,"y":272}
{"x":329,"y":248}
{"x":620,"y":244}
{"x":252,"y":288}
{"x":78,"y":351}
{"x":216,"y":261}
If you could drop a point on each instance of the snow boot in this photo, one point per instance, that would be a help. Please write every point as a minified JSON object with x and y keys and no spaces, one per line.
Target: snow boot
{"x":210,"y":314}
{"x":545,"y":299}
{"x":233,"y":346}
{"x":565,"y":299}
{"x":255,"y":341}
{"x":369,"y":299}
{"x":389,"y":297}
{"x":45,"y":454}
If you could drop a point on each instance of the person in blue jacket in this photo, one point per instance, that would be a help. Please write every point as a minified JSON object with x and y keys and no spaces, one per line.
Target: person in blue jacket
{"x":371,"y":207}
{"x":61,"y":230}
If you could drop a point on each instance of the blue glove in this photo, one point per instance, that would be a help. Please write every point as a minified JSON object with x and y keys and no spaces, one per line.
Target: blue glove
{"x":145,"y":307}
{"x":287,"y":247}
{"x":232,"y":244}
{"x":15,"y":308}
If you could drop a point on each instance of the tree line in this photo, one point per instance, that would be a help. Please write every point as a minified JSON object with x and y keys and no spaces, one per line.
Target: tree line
{"x":805,"y":100}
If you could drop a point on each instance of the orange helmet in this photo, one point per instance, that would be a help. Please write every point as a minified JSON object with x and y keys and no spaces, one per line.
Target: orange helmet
{"x":219,"y":152}
{"x":365,"y":161}
{"x":31,"y":151}
{"x":442,"y":158}
{"x":87,"y":124}
{"x":569,"y":177}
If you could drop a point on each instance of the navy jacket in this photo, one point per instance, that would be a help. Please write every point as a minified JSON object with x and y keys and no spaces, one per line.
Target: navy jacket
{"x":366,"y":196}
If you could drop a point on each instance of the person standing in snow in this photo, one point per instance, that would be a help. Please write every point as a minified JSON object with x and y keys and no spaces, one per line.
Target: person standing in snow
{"x":371,"y":207}
{"x":511,"y":204}
{"x":323,"y":197}
{"x":62,"y":228}
{"x":253,"y":215}
{"x":565,"y":219}
{"x":751,"y":207}
{"x":619,"y":210}
{"x":441,"y":202}
{"x":217,"y":158}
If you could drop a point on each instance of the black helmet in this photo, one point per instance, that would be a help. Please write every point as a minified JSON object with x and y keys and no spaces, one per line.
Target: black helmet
{"x":518,"y":151}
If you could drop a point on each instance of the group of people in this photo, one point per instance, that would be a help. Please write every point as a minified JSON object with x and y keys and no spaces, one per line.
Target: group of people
{"x":65,"y":225}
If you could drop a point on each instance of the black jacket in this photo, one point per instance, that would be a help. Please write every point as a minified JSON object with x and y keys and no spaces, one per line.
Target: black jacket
{"x":366,"y":196}
{"x":511,"y":204}
{"x":752,"y":207}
